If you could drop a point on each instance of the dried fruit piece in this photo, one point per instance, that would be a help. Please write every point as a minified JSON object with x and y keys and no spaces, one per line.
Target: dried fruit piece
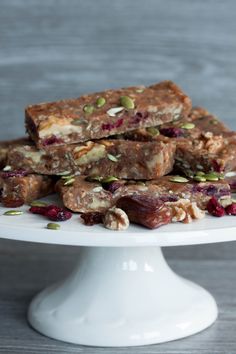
{"x":116,"y":219}
{"x":16,"y":173}
{"x":172,"y":132}
{"x":53,"y":212}
{"x":231,"y":209}
{"x":215,"y":208}
{"x":91,"y":219}
{"x":145,"y":210}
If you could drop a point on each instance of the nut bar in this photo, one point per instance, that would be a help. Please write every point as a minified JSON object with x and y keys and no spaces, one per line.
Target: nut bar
{"x":4,"y":147}
{"x":120,"y":158}
{"x":84,"y":196}
{"x":18,"y":188}
{"x":105,"y":113}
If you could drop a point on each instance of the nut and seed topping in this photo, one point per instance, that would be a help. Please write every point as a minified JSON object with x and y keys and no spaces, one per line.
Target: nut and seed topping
{"x":100,"y":102}
{"x":109,"y":179}
{"x":7,"y":168}
{"x":211,"y":177}
{"x":89,"y":108}
{"x":199,"y":178}
{"x":69,"y":182}
{"x":53,"y":226}
{"x":116,"y":219}
{"x":93,"y":179}
{"x":127,"y":102}
{"x":188,"y":126}
{"x":112,"y":158}
{"x":112,"y":112}
{"x":153,"y":131}
{"x":200,"y":173}
{"x":139,"y":90}
{"x":13,"y":212}
{"x":37,"y":203}
{"x":178,"y":179}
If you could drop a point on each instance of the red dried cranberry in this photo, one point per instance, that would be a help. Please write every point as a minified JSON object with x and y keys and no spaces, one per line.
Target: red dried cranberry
{"x":53,"y":212}
{"x":138,"y":117}
{"x":231,"y":209}
{"x":16,"y":173}
{"x":172,"y":132}
{"x":52,"y":140}
{"x":112,"y":186}
{"x":110,"y":126}
{"x":215,"y":208}
{"x":216,"y":166}
{"x":92,"y":218}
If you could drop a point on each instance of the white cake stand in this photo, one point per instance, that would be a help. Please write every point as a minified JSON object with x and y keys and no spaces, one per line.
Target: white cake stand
{"x":122,"y":292}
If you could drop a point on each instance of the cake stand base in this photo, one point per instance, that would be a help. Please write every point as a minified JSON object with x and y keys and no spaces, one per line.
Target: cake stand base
{"x":122,"y":297}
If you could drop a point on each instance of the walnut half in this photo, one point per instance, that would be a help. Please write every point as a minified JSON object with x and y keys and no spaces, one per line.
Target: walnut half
{"x":116,"y":219}
{"x":184,"y":210}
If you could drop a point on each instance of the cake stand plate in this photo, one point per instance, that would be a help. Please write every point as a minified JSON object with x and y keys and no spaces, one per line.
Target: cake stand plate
{"x":122,"y":292}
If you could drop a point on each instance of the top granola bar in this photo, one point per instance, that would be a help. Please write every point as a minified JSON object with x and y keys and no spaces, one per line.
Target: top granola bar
{"x":106,"y":113}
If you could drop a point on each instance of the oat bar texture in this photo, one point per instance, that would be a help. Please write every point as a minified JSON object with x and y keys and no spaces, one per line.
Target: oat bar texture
{"x":85,"y":196}
{"x":120,"y":158}
{"x":105,"y":113}
{"x":18,"y":189}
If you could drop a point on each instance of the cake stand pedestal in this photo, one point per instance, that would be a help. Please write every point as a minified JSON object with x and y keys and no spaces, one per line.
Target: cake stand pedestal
{"x":122,"y":292}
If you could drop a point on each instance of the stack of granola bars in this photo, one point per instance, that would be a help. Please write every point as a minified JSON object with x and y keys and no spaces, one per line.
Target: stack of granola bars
{"x":139,"y":154}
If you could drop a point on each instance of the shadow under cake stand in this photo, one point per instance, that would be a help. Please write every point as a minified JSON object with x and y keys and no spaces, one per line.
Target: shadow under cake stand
{"x":122,"y":292}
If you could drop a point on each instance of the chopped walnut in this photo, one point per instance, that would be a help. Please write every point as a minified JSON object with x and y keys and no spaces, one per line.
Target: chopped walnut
{"x":185,"y":211}
{"x":116,"y":219}
{"x":225,"y":202}
{"x":214,"y":142}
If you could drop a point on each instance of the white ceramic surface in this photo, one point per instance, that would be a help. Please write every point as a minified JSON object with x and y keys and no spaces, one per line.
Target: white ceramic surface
{"x":122,"y":297}
{"x":122,"y":293}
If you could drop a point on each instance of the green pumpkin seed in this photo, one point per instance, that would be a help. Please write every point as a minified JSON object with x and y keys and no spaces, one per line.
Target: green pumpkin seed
{"x":79,"y":121}
{"x":140,"y":90}
{"x":100,"y":102}
{"x":153,"y":131}
{"x":178,"y":179}
{"x":199,"y":178}
{"x":89,"y":108}
{"x":127,"y":102}
{"x":211,"y":177}
{"x":188,"y":126}
{"x":200,"y":173}
{"x":53,"y":226}
{"x":112,"y":158}
{"x":69,"y":182}
{"x":37,"y":203}
{"x":13,"y":212}
{"x":109,"y":179}
{"x":93,"y":179}
{"x":68,"y":177}
{"x":113,"y":111}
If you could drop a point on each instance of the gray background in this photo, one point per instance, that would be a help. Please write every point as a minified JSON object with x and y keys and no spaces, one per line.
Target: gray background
{"x":55,"y":49}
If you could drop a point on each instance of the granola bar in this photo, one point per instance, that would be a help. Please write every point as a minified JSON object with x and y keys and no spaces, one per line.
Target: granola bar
{"x":4,"y":147}
{"x":105,"y":113}
{"x":85,"y":196}
{"x":18,"y":188}
{"x":123,"y":159}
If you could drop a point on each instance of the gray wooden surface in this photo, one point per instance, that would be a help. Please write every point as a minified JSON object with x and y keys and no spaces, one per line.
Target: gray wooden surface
{"x":50,"y":49}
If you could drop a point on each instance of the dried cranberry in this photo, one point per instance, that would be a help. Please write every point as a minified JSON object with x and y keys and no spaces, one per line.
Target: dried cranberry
{"x":216,"y":166}
{"x":53,"y":212}
{"x":16,"y":173}
{"x":92,"y":218}
{"x":231,"y":209}
{"x":112,"y":186}
{"x":52,"y":140}
{"x":138,"y":117}
{"x":110,"y":126}
{"x":172,"y":132}
{"x":215,"y":208}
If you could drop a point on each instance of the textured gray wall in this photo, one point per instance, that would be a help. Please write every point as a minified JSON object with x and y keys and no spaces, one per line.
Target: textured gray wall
{"x":54,"y":49}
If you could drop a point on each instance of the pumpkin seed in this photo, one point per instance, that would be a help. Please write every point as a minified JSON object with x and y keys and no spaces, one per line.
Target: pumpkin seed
{"x":199,"y":178}
{"x":67,"y":177}
{"x":188,"y":126}
{"x":37,"y":203}
{"x":53,"y":226}
{"x":153,"y":131}
{"x":178,"y":179}
{"x":93,"y":179}
{"x":69,"y":181}
{"x":109,"y":179}
{"x":127,"y":102}
{"x":100,"y":102}
{"x":89,"y":108}
{"x":112,"y":158}
{"x":200,"y":173}
{"x":13,"y":212}
{"x":211,"y":177}
{"x":113,"y":111}
{"x":140,"y":90}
